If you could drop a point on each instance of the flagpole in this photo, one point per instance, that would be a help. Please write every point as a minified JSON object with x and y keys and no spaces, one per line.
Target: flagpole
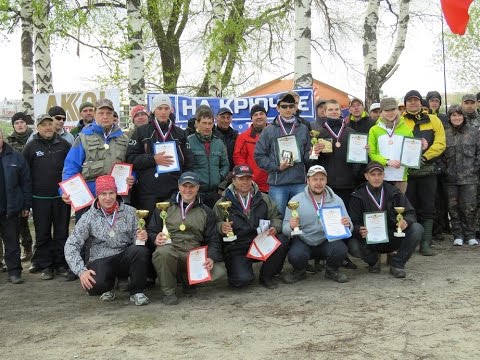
{"x":444,"y":67}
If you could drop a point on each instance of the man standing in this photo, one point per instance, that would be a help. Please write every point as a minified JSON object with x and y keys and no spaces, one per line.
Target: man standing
{"x":251,"y":213}
{"x":15,"y":201}
{"x":87,"y":112}
{"x":377,"y":196}
{"x":320,"y":115}
{"x":245,"y":146}
{"x":469,"y":107}
{"x":210,"y":155}
{"x":282,"y":151}
{"x":153,"y":186}
{"x":422,"y":183}
{"x":358,"y":119}
{"x":45,"y":155}
{"x":374,"y":112}
{"x":312,"y":244}
{"x":110,"y":227}
{"x":434,"y":102}
{"x":224,"y":131}
{"x":59,"y":117}
{"x":191,"y":224}
{"x":17,"y":140}
{"x":139,"y":116}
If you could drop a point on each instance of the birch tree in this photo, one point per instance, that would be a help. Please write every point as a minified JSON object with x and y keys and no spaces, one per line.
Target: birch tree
{"x":136,"y":76}
{"x":376,"y":76}
{"x":214,"y":59}
{"x":41,"y":49}
{"x":303,"y":40}
{"x":26,"y":44}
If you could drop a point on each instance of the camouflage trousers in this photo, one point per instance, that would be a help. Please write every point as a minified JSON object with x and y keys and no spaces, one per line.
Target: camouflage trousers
{"x":462,"y":206}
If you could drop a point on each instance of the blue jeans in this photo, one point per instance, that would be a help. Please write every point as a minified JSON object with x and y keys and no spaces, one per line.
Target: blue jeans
{"x":281,"y":194}
{"x":333,"y":253}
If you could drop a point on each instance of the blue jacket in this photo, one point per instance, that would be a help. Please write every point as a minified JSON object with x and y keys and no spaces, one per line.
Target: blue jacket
{"x":18,"y":183}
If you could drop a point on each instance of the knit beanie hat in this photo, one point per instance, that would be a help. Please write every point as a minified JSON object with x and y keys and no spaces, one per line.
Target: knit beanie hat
{"x":256,"y":108}
{"x":18,"y":116}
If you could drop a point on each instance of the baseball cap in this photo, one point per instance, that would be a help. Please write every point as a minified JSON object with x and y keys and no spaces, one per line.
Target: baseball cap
{"x":42,"y":118}
{"x":189,"y":177}
{"x":374,"y":165}
{"x":224,"y":110}
{"x":104,"y":103}
{"x":286,"y":97}
{"x":316,"y":169}
{"x":355,"y":100}
{"x":374,"y":106}
{"x":469,"y":97}
{"x":242,"y":170}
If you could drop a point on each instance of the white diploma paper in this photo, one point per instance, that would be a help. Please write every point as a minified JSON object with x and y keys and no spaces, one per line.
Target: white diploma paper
{"x":170,"y":149}
{"x":78,"y":190}
{"x":356,"y":148}
{"x":391,"y":148}
{"x":197,"y":273}
{"x":411,"y":152}
{"x":376,"y":224}
{"x":289,"y":143}
{"x":121,"y":171}
{"x":263,"y":246}
{"x":332,"y":223}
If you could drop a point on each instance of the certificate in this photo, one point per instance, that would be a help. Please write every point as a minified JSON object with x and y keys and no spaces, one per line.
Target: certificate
{"x":411,"y":152}
{"x":328,"y":145}
{"x":287,"y":146}
{"x":263,"y":246}
{"x":195,"y":266}
{"x":356,"y":152}
{"x":170,"y":149}
{"x":376,"y":224}
{"x":120,"y":172}
{"x":390,"y":147}
{"x":331,"y":218}
{"x":77,"y":188}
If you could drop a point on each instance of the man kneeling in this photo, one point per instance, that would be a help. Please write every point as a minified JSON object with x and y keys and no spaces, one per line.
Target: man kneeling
{"x":378,"y":196}
{"x":109,"y":228}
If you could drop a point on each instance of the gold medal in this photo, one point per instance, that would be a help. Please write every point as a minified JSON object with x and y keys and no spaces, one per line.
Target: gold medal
{"x":106,"y":146}
{"x":182,"y":227}
{"x":337,"y":144}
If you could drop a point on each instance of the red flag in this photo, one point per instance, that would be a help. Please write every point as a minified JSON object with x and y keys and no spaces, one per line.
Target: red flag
{"x":456,"y":14}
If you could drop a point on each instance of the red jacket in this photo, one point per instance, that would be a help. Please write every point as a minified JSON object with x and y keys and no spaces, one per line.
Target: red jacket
{"x":243,"y":155}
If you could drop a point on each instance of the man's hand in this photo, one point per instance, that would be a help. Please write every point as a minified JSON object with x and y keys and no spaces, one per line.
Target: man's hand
{"x":345,"y":221}
{"x":403,"y":224}
{"x":318,"y":148}
{"x":294,"y":222}
{"x":66,"y":198}
{"x":363,"y":232}
{"x":272,"y":231}
{"x":142,"y":235}
{"x":86,"y":279}
{"x":284,"y":165}
{"x":130,"y":181}
{"x":208,"y":264}
{"x":367,"y":147}
{"x":160,"y":239}
{"x":424,"y":144}
{"x":227,"y":227}
{"x":162,"y":159}
{"x":394,"y":163}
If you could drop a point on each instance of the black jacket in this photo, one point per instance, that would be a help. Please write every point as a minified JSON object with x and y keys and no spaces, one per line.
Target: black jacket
{"x":228,"y":137}
{"x":18,"y":183}
{"x":140,"y":154}
{"x":360,"y":203}
{"x":45,"y":159}
{"x":362,"y":125}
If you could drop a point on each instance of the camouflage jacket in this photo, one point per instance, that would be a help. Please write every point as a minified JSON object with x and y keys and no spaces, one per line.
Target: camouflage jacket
{"x":473,"y":119}
{"x":18,"y":141}
{"x":461,"y":158}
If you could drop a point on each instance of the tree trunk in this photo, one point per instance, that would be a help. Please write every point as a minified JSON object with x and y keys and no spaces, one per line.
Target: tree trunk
{"x":214,"y":65}
{"x":43,"y":64}
{"x":303,"y":36}
{"x":136,"y":73}
{"x":26,"y":42}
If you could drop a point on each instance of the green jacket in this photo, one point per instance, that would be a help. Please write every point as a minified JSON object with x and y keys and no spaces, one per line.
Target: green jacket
{"x":211,"y":168}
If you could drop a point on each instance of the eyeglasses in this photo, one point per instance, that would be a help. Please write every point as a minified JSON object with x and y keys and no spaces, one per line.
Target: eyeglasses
{"x":59,"y":118}
{"x":289,"y":106}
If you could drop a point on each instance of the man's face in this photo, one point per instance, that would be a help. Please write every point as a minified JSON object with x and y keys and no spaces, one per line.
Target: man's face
{"x":375,"y":178}
{"x":20,"y":126}
{"x":456,"y":119}
{"x":242,"y":184}
{"x":107,"y":198}
{"x":286,"y":110}
{"x":390,"y":115}
{"x":413,"y":105}
{"x":321,"y":111}
{"x":434,"y":104}
{"x":188,"y":191}
{"x":224,"y":120}
{"x":162,"y":113}
{"x":87,"y":114}
{"x":356,"y":109}
{"x":401,"y":109}
{"x":104,"y":117}
{"x":259,"y":119}
{"x":316,"y":183}
{"x":58,"y":121}
{"x":469,"y":106}
{"x":46,"y":129}
{"x":205,"y":126}
{"x":332,"y":110}
{"x":375,"y":114}
{"x":140,"y":118}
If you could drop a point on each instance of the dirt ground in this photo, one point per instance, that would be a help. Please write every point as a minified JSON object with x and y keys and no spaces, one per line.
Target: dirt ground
{"x":432,"y":314}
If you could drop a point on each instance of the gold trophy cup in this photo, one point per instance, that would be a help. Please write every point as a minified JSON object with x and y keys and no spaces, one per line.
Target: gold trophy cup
{"x":230,"y":235}
{"x":141,"y":215}
{"x":314,"y":140}
{"x":399,"y":232}
{"x":163,"y":206}
{"x":293,"y":205}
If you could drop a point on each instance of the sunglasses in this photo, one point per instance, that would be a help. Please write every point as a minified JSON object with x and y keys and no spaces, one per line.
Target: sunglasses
{"x":59,"y":117}
{"x":289,"y":106}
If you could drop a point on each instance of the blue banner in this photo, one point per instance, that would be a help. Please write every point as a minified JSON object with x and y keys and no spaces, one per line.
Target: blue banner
{"x":184,"y":107}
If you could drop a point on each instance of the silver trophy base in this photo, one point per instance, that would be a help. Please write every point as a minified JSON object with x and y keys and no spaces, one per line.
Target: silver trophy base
{"x":229,"y":239}
{"x":399,"y":234}
{"x":296,"y":232}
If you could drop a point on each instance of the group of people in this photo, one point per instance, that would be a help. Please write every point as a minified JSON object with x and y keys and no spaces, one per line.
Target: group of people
{"x":278,"y":179}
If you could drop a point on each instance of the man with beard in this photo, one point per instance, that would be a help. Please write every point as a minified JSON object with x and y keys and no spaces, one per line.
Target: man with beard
{"x":469,"y":107}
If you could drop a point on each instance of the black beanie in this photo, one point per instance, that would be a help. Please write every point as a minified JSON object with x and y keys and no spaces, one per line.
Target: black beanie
{"x":57,"y":110}
{"x":434,"y":95}
{"x":18,"y":116}
{"x":478,"y":96}
{"x":412,"y":93}
{"x":255,"y":108}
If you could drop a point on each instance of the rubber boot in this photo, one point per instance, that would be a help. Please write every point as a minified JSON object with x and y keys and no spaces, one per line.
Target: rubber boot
{"x":425,"y":248}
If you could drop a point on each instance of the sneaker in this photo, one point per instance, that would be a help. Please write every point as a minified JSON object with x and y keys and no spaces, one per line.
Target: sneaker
{"x":108,"y":296}
{"x":311,"y":269}
{"x":47,"y":274}
{"x":458,"y":242}
{"x":16,"y":279}
{"x":34,"y":268}
{"x":170,"y":299}
{"x":375,"y":268}
{"x":27,"y":255}
{"x":318,"y":266}
{"x":472,"y":242}
{"x":335,"y":275}
{"x":348,"y":264}
{"x":62,"y":271}
{"x":139,"y":299}
{"x":269,"y":283}
{"x":398,"y":273}
{"x":294,"y":276}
